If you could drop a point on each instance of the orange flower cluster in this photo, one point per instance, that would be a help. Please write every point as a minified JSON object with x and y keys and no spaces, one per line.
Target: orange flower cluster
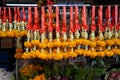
{"x":13,"y":33}
{"x":40,"y":77}
{"x":30,"y":69}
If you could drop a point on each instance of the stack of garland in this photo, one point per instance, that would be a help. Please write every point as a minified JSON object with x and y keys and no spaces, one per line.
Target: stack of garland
{"x":91,"y":40}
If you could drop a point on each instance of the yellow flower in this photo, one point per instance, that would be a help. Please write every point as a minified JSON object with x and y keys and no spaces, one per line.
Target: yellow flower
{"x":72,"y":44}
{"x":3,"y":34}
{"x":65,"y":55}
{"x":42,"y":56}
{"x":116,"y":51}
{"x":85,"y":42}
{"x":18,"y":34}
{"x":58,"y":56}
{"x":32,"y":54}
{"x":23,"y":33}
{"x":18,"y":55}
{"x":78,"y":41}
{"x":72,"y":54}
{"x":92,"y":44}
{"x":110,"y":42}
{"x":35,"y":42}
{"x":57,"y":43}
{"x":79,"y":51}
{"x":86,"y":53}
{"x":42,"y":45}
{"x":64,"y":44}
{"x":101,"y":54}
{"x":19,"y":50}
{"x":50,"y":56}
{"x":49,"y":44}
{"x":93,"y":54}
{"x":10,"y":34}
{"x":26,"y":55}
{"x":101,"y":43}
{"x":109,"y":53}
{"x":117,"y":41}
{"x":27,"y":44}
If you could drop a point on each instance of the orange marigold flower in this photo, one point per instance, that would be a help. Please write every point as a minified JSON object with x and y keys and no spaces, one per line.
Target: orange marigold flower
{"x":78,"y":41}
{"x":92,"y":44}
{"x":18,"y":55}
{"x":42,"y":56}
{"x":49,"y":44}
{"x":72,"y":44}
{"x":110,"y":42}
{"x":10,"y":34}
{"x":64,"y":44}
{"x":93,"y":54}
{"x":101,"y":54}
{"x":101,"y":43}
{"x":57,"y":43}
{"x":65,"y":55}
{"x":3,"y":34}
{"x":27,"y":44}
{"x":79,"y":51}
{"x":58,"y":56}
{"x":35,"y":42}
{"x":42,"y":45}
{"x":117,"y":41}
{"x":19,"y":50}
{"x":85,"y":42}
{"x":116,"y":51}
{"x":109,"y":53}
{"x":86,"y":53}
{"x":50,"y":56}
{"x":72,"y":54}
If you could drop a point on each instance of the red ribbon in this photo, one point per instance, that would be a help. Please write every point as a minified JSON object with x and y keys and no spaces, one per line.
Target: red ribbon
{"x":113,"y":19}
{"x":30,"y":19}
{"x":15,"y":13}
{"x":57,"y":20}
{"x":64,"y":29}
{"x":18,"y":15}
{"x":116,"y":17}
{"x":100,"y":18}
{"x":93,"y":26}
{"x":84,"y":23}
{"x":71,"y":19}
{"x":10,"y":15}
{"x":49,"y":2}
{"x":50,"y":19}
{"x":36,"y":19}
{"x":4,"y":15}
{"x":77,"y":27}
{"x":24,"y":14}
{"x":42,"y":19}
{"x":107,"y":17}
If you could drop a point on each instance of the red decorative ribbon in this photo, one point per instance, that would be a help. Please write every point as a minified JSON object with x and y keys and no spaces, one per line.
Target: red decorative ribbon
{"x":10,"y":15}
{"x":49,"y":2}
{"x":24,"y":14}
{"x":116,"y":17}
{"x":30,"y":19}
{"x":50,"y":19}
{"x":100,"y":15}
{"x":71,"y":19}
{"x":42,"y":19}
{"x":36,"y":19}
{"x":93,"y":26}
{"x":15,"y":13}
{"x":77,"y":27}
{"x":4,"y":15}
{"x":64,"y":29}
{"x":18,"y":14}
{"x":84,"y":22}
{"x":57,"y":20}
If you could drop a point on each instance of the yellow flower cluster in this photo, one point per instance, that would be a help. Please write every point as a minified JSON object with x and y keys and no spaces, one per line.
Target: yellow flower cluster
{"x":40,"y":77}
{"x":30,"y":69}
{"x":13,"y":33}
{"x":97,"y":48}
